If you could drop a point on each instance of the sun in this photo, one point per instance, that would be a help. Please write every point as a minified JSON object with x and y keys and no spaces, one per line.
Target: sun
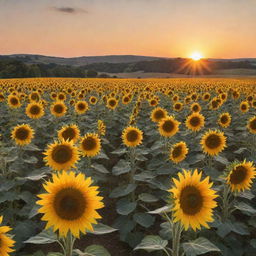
{"x":196,"y":56}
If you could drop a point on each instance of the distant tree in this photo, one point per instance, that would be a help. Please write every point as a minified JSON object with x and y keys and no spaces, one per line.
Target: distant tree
{"x":103,"y":75}
{"x":91,"y":73}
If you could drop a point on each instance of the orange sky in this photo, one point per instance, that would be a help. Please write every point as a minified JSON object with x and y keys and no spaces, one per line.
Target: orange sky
{"x":171,"y":28}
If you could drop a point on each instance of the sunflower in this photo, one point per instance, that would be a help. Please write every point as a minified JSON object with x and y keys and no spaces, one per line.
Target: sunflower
{"x":178,"y":152}
{"x":112,"y":103}
{"x":35,"y":110}
{"x":22,"y":134}
{"x":253,"y":103}
{"x":178,"y":106}
{"x":53,"y":95}
{"x":168,"y":126}
{"x":69,"y":132}
{"x":2,"y":98}
{"x":158,"y":114}
{"x":34,"y":96}
{"x":58,"y":109}
{"x":244,"y":106}
{"x":61,"y":155}
{"x":132,"y":136}
{"x":195,"y":107}
{"x":6,"y":243}
{"x":61,"y":96}
{"x":81,"y":107}
{"x":213,"y":142}
{"x":126,"y":99}
{"x":206,"y":96}
{"x":224,"y":120}
{"x":251,"y":125}
{"x":90,"y":145}
{"x":70,"y":203}
{"x":193,"y":200}
{"x":195,"y":121}
{"x":153,"y":102}
{"x":93,"y":100}
{"x":241,"y":175}
{"x":13,"y":101}
{"x":101,"y":128}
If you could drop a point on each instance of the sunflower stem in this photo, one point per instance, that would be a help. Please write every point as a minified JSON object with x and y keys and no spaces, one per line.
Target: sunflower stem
{"x":133,"y":170}
{"x":176,"y":234}
{"x":226,"y":203}
{"x":69,"y":244}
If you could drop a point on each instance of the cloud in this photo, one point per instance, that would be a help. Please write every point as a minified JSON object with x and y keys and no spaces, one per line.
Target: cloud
{"x":69,"y":10}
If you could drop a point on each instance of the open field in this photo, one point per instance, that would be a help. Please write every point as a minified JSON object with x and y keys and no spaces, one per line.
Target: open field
{"x":171,"y":165}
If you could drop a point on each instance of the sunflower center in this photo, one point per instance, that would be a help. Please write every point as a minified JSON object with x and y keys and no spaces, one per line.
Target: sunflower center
{"x":34,"y":96}
{"x":213,"y":141}
{"x":243,"y":107}
{"x":89,"y":143}
{"x":22,"y":133}
{"x":191,"y":201}
{"x":195,"y":108}
{"x":68,"y":134}
{"x":112,"y":103}
{"x":81,"y":106}
{"x":58,"y":109}
{"x":195,"y":121}
{"x":159,"y":114}
{"x":153,"y":102}
{"x":14,"y":101}
{"x":69,"y":204}
{"x":214,"y":104}
{"x":62,"y":154}
{"x":61,"y":97}
{"x":177,"y":106}
{"x":238,"y":175}
{"x":35,"y":110}
{"x":168,"y":126}
{"x":224,"y":119}
{"x":177,"y":151}
{"x":132,"y":136}
{"x":253,"y":124}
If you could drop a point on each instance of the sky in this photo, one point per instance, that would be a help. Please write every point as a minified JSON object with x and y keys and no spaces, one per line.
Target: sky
{"x":164,"y":28}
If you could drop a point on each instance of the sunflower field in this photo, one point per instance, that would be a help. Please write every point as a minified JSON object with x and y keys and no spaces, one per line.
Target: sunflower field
{"x":99,"y":167}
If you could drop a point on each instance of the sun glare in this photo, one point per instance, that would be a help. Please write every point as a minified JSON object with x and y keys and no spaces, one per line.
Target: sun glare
{"x":196,"y":56}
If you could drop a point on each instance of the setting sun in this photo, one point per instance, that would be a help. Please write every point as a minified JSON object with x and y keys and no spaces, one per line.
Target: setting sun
{"x":196,"y":56}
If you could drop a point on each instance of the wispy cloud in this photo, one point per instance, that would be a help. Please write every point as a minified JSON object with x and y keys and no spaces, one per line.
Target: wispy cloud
{"x":69,"y":10}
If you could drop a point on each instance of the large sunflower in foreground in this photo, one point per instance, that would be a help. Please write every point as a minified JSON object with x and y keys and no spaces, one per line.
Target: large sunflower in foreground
{"x":22,"y":134}
{"x":195,"y":121}
{"x":61,"y":155}
{"x":193,"y":200}
{"x":241,"y":175}
{"x":224,"y":120}
{"x":158,"y":114}
{"x":132,"y":136}
{"x":35,"y":110}
{"x":168,"y":126}
{"x":213,"y":142}
{"x":70,"y":203}
{"x":69,"y":132}
{"x":251,"y":125}
{"x":178,"y":152}
{"x":90,"y":145}
{"x":6,"y":243}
